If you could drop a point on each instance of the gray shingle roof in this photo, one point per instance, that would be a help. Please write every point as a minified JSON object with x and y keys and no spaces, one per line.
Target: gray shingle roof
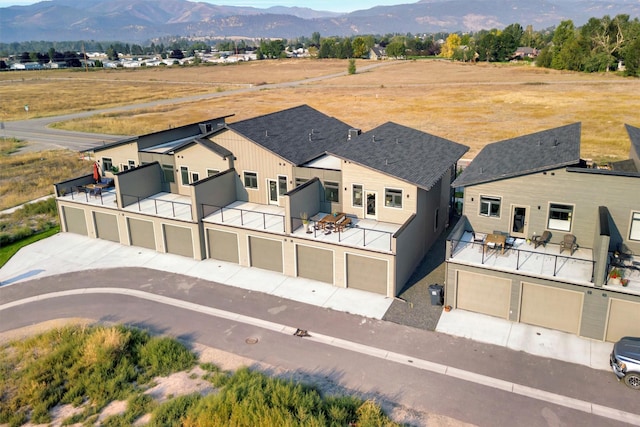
{"x":297,"y":134}
{"x":405,"y":153}
{"x":634,"y":136}
{"x":549,"y":149}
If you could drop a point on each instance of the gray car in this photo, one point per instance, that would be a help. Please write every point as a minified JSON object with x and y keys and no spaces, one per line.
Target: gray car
{"x":625,"y":361}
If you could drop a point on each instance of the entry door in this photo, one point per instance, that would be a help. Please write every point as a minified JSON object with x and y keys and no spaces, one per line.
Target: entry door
{"x":272,"y":188}
{"x":370,"y":207}
{"x":519,"y":221}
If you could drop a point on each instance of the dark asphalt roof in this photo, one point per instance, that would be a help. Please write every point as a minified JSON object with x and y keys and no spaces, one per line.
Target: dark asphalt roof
{"x":298,"y":134}
{"x":405,"y":153}
{"x":536,"y":152}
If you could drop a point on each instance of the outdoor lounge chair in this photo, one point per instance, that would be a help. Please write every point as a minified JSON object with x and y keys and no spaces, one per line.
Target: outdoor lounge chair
{"x":541,"y":240}
{"x":569,"y":242}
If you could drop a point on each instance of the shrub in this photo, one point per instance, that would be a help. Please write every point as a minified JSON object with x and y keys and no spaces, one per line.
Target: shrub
{"x":163,"y":355}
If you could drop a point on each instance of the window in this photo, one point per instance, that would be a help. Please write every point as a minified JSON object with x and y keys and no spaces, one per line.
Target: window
{"x":357,"y":195}
{"x":131,"y":164}
{"x":436,"y":219}
{"x":560,"y":217}
{"x":490,"y":206}
{"x":251,"y":180}
{"x":331,"y":192}
{"x":634,"y":234}
{"x":282,"y":185}
{"x":392,"y":198}
{"x":300,"y":181}
{"x":169,"y":176}
{"x":211,"y":172}
{"x":107,"y":164}
{"x":184,"y":174}
{"x":195,"y":176}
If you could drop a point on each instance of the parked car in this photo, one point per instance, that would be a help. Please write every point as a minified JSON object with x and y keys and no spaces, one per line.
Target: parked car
{"x":625,"y":361}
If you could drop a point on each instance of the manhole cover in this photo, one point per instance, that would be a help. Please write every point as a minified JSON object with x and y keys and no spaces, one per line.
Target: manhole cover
{"x":251,"y":340}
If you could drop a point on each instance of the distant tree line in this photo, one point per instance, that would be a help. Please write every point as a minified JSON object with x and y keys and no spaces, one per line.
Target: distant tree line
{"x":599,"y":45}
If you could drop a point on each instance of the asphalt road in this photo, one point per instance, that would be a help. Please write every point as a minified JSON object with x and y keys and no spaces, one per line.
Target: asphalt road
{"x":418,"y":369}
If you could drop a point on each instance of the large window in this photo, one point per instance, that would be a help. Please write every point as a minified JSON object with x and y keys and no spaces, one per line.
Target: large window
{"x":251,"y":180}
{"x":490,"y":206}
{"x":184,"y":174}
{"x":195,"y":176}
{"x":300,"y":181}
{"x":392,"y":198}
{"x":211,"y":172}
{"x":107,"y":164}
{"x":331,"y":191}
{"x":560,"y":217}
{"x":634,"y":234}
{"x":357,"y":195}
{"x":169,"y":176}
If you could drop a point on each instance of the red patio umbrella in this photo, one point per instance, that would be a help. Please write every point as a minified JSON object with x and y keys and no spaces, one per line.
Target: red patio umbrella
{"x":96,"y":172}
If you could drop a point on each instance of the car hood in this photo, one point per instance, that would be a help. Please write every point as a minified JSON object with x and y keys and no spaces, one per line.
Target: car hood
{"x":628,"y":347}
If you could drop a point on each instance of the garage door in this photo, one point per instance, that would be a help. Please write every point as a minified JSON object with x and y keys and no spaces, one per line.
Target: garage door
{"x":106,"y":226}
{"x":75,"y":221}
{"x":223,"y":246}
{"x":483,"y":294}
{"x":624,"y":320}
{"x":178,"y":240}
{"x":265,"y":253}
{"x":551,"y":307}
{"x":368,"y":274}
{"x":141,"y":233}
{"x":314,"y":263}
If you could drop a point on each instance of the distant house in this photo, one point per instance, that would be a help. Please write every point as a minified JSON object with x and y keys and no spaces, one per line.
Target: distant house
{"x":525,"y":52}
{"x":377,"y":53}
{"x":26,"y":66}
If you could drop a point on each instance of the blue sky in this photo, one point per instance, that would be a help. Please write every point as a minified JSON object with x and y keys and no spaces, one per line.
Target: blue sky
{"x":330,"y":5}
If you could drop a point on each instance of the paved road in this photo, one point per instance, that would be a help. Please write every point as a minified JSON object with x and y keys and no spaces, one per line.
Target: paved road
{"x":429,"y":372}
{"x":41,"y":137}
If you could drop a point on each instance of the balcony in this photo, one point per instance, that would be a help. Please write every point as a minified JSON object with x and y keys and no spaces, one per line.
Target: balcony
{"x":166,"y":205}
{"x":105,"y":197}
{"x":543,"y":261}
{"x":247,"y":215}
{"x":362,"y":233}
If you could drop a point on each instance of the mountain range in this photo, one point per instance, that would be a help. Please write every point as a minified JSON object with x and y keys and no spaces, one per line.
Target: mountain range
{"x":143,"y":20}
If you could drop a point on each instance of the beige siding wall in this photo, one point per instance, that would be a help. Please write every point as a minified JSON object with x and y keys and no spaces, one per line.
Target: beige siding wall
{"x":584,"y":191}
{"x":377,"y":182}
{"x":252,"y":157}
{"x":197,"y":159}
{"x":118,"y":155}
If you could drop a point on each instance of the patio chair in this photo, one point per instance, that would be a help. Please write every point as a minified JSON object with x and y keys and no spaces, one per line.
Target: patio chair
{"x":541,"y":240}
{"x":569,"y":242}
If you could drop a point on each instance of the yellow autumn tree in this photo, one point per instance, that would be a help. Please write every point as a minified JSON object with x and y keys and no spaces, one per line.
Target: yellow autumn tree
{"x":450,"y":45}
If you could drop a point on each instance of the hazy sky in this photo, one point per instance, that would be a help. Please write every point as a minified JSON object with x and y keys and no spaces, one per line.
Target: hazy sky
{"x":330,"y":5}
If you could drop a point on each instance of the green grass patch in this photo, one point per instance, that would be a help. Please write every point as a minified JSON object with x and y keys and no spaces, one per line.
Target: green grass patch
{"x":6,"y":252}
{"x":91,"y":366}
{"x":75,"y":365}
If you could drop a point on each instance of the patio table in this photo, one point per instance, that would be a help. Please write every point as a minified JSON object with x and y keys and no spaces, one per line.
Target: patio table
{"x":496,"y":239}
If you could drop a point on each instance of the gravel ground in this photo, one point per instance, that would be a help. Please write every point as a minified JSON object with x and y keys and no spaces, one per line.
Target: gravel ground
{"x":413,"y":305}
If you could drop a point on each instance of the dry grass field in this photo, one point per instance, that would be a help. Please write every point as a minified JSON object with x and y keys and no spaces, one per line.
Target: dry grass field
{"x":469,"y":104}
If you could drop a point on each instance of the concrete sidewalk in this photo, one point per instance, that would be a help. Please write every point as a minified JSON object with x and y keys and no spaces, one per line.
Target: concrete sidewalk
{"x":67,"y":252}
